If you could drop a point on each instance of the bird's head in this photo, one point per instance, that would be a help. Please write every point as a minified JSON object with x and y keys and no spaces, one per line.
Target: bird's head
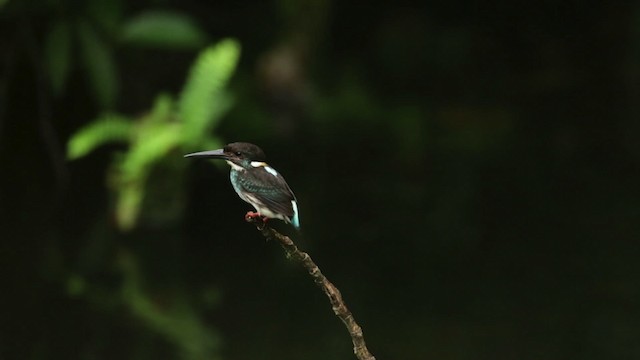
{"x":237,"y":153}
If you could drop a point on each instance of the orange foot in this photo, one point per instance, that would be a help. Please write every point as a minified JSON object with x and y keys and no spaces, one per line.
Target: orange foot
{"x":250,"y":216}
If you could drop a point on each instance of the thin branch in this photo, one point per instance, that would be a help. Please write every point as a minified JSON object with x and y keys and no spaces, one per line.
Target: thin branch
{"x":338,"y":305}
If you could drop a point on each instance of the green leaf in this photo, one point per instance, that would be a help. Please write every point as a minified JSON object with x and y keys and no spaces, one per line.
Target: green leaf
{"x":107,"y":128}
{"x":177,"y":321}
{"x":76,"y":285}
{"x":206,"y":117}
{"x":150,"y":146}
{"x":58,"y":55}
{"x":100,"y":64}
{"x":210,"y":142}
{"x":128,"y":205}
{"x":162,"y":110}
{"x":165,"y":30}
{"x":202,"y":102}
{"x":106,"y":14}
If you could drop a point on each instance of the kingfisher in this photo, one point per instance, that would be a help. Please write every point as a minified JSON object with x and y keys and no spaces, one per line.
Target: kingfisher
{"x":256,"y":182}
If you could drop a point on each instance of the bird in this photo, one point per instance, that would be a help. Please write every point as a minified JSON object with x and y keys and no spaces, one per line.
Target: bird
{"x":256,"y":182}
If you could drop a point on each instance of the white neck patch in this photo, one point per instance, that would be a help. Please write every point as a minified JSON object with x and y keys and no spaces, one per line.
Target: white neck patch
{"x":268,"y":168}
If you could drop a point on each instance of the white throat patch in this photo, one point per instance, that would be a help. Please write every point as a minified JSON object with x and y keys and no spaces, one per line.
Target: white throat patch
{"x":235,"y":166}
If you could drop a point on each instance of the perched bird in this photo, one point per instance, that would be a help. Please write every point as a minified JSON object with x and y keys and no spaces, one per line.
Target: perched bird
{"x":256,"y":182}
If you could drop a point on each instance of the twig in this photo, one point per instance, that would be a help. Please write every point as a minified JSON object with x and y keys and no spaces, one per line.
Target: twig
{"x":338,"y":305}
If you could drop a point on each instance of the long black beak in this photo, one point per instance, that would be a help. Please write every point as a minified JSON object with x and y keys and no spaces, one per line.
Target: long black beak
{"x":210,"y":154}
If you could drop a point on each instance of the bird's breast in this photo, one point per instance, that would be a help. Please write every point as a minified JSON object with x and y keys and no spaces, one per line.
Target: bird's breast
{"x":235,"y":182}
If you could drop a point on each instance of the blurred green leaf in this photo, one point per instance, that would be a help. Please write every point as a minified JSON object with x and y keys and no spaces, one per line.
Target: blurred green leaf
{"x":107,"y":14}
{"x":162,"y":110}
{"x":211,"y":142}
{"x":107,"y":128}
{"x":166,"y":30}
{"x":128,"y":204}
{"x":177,"y":321}
{"x":100,"y":65}
{"x":152,"y":144}
{"x":58,"y":54}
{"x":207,"y":118}
{"x":202,"y":102}
{"x":76,"y":285}
{"x":154,"y":135}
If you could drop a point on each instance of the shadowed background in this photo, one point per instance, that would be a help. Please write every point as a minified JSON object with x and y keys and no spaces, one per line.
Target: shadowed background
{"x":467,"y":174}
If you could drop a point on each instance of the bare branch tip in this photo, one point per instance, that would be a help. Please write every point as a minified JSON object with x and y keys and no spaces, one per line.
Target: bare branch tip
{"x":335,"y":297}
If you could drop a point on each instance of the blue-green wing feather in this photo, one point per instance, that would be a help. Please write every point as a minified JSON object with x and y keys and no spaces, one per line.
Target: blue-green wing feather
{"x":271,"y":190}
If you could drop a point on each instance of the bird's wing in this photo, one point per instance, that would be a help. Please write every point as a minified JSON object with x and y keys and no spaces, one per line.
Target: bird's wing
{"x":270,"y":188}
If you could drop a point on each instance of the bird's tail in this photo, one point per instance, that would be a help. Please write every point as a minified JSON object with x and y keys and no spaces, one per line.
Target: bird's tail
{"x":295,"y":219}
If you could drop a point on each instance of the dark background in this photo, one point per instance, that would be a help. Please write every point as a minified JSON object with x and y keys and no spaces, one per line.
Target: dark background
{"x":467,"y":173}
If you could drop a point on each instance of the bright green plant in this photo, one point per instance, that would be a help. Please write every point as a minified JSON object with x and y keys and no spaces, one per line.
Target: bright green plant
{"x":171,"y":128}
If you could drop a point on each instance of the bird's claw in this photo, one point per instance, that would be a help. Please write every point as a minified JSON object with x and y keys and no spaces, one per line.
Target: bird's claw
{"x":252,"y":216}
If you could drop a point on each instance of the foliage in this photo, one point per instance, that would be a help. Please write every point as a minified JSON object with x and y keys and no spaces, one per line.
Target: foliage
{"x":105,"y":129}
{"x":177,"y":322}
{"x":91,"y":29}
{"x":453,"y":162}
{"x":99,"y":31}
{"x":58,"y":54}
{"x":169,"y":128}
{"x":100,"y":65}
{"x":204,"y":85}
{"x":167,"y":30}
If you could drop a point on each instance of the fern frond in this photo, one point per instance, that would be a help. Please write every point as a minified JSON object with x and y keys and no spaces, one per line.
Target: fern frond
{"x":149,"y":147}
{"x":105,"y":129}
{"x":201,"y":104}
{"x":162,"y":110}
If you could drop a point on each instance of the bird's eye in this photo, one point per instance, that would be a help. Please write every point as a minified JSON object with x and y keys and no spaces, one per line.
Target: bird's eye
{"x":238,"y":153}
